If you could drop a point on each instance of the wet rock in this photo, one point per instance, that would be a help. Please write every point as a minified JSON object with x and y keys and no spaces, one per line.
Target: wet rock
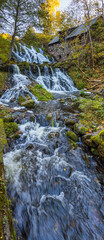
{"x":72,"y":136}
{"x":53,"y":134}
{"x":102,"y":208}
{"x":101,"y":150}
{"x":86,"y":158}
{"x":28,"y":104}
{"x":49,"y":116}
{"x":57,"y":134}
{"x":32,"y":119}
{"x":30,"y":146}
{"x":16,"y":135}
{"x":69,"y":122}
{"x":87,"y":139}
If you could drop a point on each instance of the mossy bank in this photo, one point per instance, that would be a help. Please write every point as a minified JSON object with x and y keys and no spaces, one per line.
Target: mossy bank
{"x":6,"y":222}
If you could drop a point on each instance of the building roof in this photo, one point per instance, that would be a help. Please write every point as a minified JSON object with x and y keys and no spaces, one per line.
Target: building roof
{"x":83,"y":28}
{"x":74,"y":32}
{"x":55,"y":40}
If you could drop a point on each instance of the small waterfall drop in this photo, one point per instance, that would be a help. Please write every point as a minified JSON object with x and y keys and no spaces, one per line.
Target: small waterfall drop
{"x":29,"y":54}
{"x":54,"y":81}
{"x":19,"y":87}
{"x":55,"y":195}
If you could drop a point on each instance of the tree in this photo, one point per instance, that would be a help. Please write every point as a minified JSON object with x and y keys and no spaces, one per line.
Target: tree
{"x":49,"y":16}
{"x":16,"y":16}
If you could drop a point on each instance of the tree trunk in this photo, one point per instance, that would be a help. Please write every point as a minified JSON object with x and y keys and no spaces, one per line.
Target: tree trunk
{"x":15,"y":30}
{"x":11,"y":46}
{"x":92,"y":50}
{"x":103,"y":10}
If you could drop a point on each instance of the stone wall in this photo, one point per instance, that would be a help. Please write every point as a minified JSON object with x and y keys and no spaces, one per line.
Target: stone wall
{"x":60,"y":51}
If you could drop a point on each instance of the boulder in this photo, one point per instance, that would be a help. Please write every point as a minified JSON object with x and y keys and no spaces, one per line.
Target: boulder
{"x":69,"y":122}
{"x":81,"y":129}
{"x":8,"y":118}
{"x":28,"y":104}
{"x":72,"y":136}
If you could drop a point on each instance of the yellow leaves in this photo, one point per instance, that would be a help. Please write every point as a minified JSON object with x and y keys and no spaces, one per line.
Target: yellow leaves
{"x":50,"y":15}
{"x":6,"y":36}
{"x":64,"y":169}
{"x":52,"y":6}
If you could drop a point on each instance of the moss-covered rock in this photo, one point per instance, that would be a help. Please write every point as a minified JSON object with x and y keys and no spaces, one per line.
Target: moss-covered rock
{"x":21,"y":100}
{"x":81,"y":129}
{"x":41,"y":93}
{"x":3,"y":82}
{"x":8,"y":118}
{"x":69,"y":122}
{"x":72,"y":136}
{"x":3,"y":141}
{"x":28,"y":104}
{"x":98,"y":141}
{"x":10,"y":128}
{"x":87,"y":140}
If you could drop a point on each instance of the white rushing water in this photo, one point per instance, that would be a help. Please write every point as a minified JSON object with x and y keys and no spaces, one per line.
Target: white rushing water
{"x":53,"y":192}
{"x":23,"y":53}
{"x":55,"y":195}
{"x":55,"y":81}
{"x":19,"y":87}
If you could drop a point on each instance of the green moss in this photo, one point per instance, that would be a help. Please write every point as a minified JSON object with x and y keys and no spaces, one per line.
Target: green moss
{"x":41,"y":93}
{"x":10,"y":128}
{"x":3,"y":141}
{"x":28,"y":103}
{"x":21,"y":100}
{"x":3,"y":82}
{"x":80,"y":129}
{"x":5,"y":214}
{"x":92,"y":114}
{"x":24,"y":65}
{"x":72,"y":136}
{"x":49,"y":116}
{"x":72,"y":144}
{"x":98,"y":139}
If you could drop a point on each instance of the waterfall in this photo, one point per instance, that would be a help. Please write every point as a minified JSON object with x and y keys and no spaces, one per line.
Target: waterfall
{"x":29,"y":54}
{"x":19,"y":88}
{"x":55,"y":188}
{"x":54,"y":81}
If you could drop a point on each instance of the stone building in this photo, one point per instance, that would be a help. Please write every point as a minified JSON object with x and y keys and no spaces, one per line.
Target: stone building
{"x":61,"y":46}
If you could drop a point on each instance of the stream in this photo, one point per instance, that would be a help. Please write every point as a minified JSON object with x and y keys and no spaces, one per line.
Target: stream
{"x":55,"y":195}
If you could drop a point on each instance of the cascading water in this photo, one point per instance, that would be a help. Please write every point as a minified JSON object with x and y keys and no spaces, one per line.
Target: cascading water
{"x":29,"y":55}
{"x":51,"y":80}
{"x":55,"y":195}
{"x":19,"y":88}
{"x":54,"y":81}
